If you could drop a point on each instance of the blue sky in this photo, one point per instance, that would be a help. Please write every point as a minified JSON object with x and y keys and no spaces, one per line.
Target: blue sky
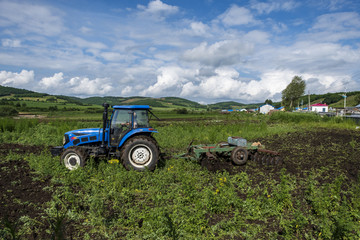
{"x":204,"y":50}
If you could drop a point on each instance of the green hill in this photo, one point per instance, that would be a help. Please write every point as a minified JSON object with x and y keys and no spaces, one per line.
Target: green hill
{"x":233,"y":105}
{"x":15,"y":94}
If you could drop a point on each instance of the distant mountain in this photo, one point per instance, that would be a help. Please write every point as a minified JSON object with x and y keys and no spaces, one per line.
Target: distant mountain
{"x":332,"y":99}
{"x":165,"y":102}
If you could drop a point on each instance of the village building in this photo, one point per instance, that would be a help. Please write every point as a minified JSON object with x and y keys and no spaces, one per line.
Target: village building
{"x":319,"y":107}
{"x":266,"y":108}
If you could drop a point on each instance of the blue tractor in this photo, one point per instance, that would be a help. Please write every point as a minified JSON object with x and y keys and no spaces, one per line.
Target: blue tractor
{"x":127,"y":136}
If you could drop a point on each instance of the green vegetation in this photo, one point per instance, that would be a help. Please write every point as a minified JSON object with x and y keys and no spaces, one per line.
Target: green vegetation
{"x":292,"y":93}
{"x":182,"y":200}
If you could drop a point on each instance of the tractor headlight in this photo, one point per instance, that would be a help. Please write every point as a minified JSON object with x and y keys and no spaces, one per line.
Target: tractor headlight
{"x":66,"y":139}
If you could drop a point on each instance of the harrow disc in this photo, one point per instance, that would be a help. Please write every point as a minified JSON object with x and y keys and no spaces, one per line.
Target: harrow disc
{"x":267,"y":158}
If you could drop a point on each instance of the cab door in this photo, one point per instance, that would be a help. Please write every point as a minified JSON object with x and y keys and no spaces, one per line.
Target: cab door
{"x":121,"y":123}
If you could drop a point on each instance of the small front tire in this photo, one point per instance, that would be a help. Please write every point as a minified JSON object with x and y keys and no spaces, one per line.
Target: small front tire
{"x":73,"y":158}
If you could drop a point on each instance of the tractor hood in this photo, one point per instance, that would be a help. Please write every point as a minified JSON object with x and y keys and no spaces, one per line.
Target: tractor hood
{"x":82,"y":136}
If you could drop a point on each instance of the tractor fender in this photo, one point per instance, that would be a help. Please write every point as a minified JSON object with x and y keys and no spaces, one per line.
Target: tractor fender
{"x":137,"y":131}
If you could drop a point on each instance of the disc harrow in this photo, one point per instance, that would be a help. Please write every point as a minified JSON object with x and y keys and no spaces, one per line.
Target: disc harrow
{"x":237,"y":149}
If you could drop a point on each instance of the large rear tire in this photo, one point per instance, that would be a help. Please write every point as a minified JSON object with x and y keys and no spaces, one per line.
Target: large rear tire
{"x":73,"y":158}
{"x":140,"y":153}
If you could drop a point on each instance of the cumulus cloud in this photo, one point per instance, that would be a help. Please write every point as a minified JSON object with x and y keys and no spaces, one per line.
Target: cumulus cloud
{"x":52,"y":82}
{"x":223,"y":53}
{"x":227,"y":83}
{"x":198,"y":29}
{"x":12,"y":79}
{"x":236,"y":16}
{"x":157,"y":8}
{"x":84,"y":86}
{"x":170,"y":79}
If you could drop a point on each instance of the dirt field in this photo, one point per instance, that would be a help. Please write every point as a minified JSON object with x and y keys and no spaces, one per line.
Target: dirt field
{"x":22,"y":192}
{"x":302,"y":151}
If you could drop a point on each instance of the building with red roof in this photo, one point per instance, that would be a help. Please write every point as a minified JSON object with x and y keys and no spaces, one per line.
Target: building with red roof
{"x":319,"y":107}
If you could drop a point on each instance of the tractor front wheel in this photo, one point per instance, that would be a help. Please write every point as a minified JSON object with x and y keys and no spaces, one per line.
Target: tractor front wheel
{"x":140,"y":153}
{"x":73,"y":158}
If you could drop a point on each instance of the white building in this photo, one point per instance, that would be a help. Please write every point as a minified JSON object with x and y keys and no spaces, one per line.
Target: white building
{"x":265,"y":109}
{"x":319,"y":107}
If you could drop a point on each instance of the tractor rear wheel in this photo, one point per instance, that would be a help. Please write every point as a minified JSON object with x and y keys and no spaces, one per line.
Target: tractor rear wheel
{"x":73,"y":158}
{"x":239,"y":155}
{"x":140,"y":153}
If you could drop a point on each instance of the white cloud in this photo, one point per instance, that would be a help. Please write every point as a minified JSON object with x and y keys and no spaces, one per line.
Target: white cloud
{"x":84,"y":86}
{"x":11,"y":43}
{"x":236,"y":16}
{"x":337,"y":21}
{"x":30,"y":18}
{"x":221,"y":53}
{"x":169,"y":80}
{"x":257,"y":36}
{"x":16,"y":79}
{"x":158,"y":9}
{"x":126,"y":91}
{"x":112,"y":56}
{"x":335,"y":27}
{"x":82,"y":43}
{"x":198,"y":29}
{"x":270,"y":6}
{"x":52,"y":82}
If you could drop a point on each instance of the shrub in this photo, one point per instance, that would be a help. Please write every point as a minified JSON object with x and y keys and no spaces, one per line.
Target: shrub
{"x":7,"y":111}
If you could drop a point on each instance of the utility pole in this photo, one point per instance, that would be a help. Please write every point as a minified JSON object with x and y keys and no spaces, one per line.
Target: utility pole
{"x":344,"y":96}
{"x":308,"y":101}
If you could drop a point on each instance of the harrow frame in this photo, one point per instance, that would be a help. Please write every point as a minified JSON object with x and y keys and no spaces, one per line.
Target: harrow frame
{"x":238,"y":154}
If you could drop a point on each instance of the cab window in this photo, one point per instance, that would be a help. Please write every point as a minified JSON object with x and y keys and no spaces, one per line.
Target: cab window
{"x":141,"y":119}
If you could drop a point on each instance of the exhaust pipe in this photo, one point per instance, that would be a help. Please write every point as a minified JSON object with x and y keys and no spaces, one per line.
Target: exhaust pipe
{"x":105,"y":118}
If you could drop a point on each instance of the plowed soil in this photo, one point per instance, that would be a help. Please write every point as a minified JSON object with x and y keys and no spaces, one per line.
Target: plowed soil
{"x":335,"y":149}
{"x":21,"y":191}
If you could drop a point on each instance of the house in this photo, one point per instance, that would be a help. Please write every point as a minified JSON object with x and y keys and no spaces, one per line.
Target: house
{"x":265,"y":109}
{"x":281,"y":108}
{"x":319,"y":107}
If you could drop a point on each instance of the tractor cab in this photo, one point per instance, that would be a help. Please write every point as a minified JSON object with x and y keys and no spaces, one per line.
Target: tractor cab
{"x":127,"y":120}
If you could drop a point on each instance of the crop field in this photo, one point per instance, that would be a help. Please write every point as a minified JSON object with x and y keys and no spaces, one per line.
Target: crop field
{"x":313,"y":194}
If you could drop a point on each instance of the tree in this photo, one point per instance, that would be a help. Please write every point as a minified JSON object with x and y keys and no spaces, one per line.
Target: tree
{"x":357,"y":99}
{"x":268,"y":101}
{"x":293,"y":92}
